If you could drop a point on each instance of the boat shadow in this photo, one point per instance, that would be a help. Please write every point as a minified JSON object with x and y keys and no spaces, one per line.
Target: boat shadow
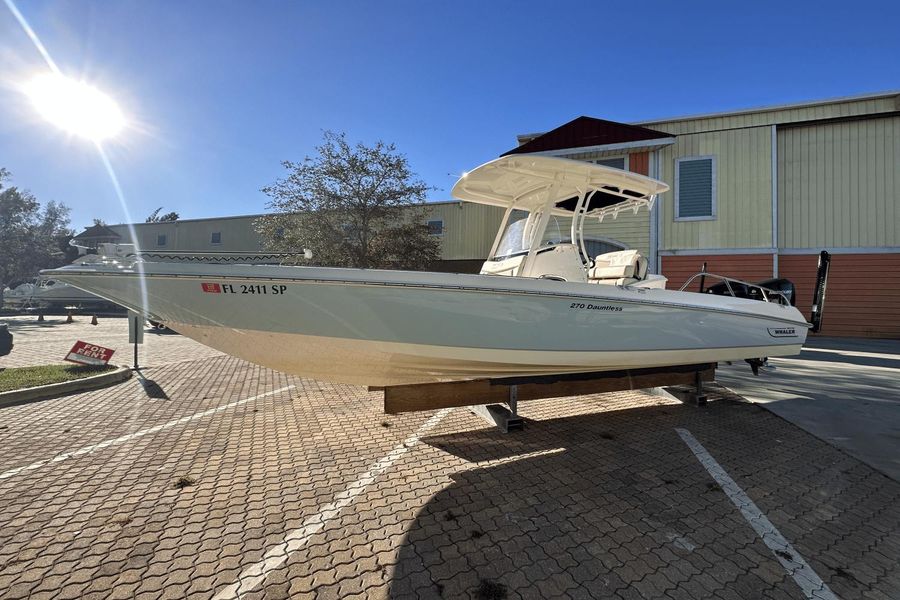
{"x":588,"y":503}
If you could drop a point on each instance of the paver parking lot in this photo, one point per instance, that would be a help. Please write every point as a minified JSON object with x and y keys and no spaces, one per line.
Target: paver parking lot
{"x":225,"y":479}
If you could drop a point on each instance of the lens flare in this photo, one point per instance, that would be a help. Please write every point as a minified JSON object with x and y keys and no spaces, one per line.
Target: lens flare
{"x":75,"y":106}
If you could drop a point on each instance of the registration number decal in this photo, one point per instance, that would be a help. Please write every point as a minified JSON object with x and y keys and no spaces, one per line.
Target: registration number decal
{"x":262,"y":289}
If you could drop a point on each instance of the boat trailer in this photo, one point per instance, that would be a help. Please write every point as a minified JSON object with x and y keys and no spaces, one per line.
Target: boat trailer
{"x":486,"y":397}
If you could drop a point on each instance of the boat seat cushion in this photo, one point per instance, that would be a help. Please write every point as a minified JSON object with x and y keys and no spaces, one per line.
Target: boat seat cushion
{"x":611,"y":272}
{"x":624,"y":264}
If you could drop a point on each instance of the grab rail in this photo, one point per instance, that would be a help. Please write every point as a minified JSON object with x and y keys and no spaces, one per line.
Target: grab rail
{"x":764,"y":291}
{"x":259,"y":258}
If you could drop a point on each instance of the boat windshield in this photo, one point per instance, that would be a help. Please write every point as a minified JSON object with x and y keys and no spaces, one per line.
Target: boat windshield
{"x":513,"y":240}
{"x":557,"y":232}
{"x":517,"y":236}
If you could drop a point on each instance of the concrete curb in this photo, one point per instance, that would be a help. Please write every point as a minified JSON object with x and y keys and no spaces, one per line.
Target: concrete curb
{"x":45,"y":392}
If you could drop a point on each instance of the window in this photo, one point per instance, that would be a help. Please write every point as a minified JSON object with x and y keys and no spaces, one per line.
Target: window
{"x":435,"y":227}
{"x":619,"y":162}
{"x":161,"y":240}
{"x":216,"y":237}
{"x":695,"y":188}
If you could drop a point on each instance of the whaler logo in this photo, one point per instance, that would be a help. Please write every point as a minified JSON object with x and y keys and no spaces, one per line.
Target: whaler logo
{"x":783,"y":331}
{"x":212,"y":288}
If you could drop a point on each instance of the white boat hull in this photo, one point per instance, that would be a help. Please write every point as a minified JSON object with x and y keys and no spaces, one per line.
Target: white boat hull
{"x":392,"y":327}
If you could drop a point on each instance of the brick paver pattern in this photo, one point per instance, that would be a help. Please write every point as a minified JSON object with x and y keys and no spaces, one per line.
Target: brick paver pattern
{"x":597,"y":498}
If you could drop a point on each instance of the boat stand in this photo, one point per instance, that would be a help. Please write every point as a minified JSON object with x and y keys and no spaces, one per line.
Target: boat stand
{"x":486,"y":396}
{"x":506,"y":419}
{"x":689,"y":394}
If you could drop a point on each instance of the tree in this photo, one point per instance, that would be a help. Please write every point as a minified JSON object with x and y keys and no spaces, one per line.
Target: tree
{"x":99,"y":222}
{"x":155,"y":217}
{"x":31,"y":238}
{"x":353,"y":206}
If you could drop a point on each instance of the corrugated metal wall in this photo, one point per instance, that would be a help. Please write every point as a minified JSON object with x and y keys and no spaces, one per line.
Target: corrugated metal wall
{"x":632,"y":230}
{"x":238,"y":235}
{"x":839,"y":184}
{"x":743,"y":194}
{"x":469,"y":229}
{"x":772,"y":117}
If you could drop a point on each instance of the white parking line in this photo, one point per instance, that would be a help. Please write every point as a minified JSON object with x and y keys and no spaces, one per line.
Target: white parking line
{"x":811,"y":584}
{"x":296,"y":539}
{"x":135,"y":435}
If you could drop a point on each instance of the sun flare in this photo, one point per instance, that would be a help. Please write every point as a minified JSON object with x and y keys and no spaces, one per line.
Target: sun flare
{"x":75,"y":106}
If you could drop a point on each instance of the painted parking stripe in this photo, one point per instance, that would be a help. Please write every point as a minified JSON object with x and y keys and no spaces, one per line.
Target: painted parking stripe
{"x":133,"y":436}
{"x":811,"y":584}
{"x":251,"y":577}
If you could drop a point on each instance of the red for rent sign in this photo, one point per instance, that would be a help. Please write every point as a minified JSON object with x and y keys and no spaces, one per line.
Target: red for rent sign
{"x":84,"y":353}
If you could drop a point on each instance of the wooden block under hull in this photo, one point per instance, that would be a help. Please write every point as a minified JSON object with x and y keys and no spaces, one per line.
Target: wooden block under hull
{"x":431,"y":396}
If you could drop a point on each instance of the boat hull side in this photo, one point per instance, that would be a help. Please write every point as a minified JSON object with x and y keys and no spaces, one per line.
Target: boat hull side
{"x":366,"y":362}
{"x":391,"y":334}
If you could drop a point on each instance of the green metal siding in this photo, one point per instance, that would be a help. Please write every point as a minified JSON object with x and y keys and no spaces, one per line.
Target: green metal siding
{"x":839,"y":184}
{"x":743,"y":191}
{"x":238,"y":235}
{"x":763,"y":117}
{"x":469,"y":229}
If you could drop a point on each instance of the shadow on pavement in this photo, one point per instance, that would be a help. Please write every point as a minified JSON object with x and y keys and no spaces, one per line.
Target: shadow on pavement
{"x":614,"y":504}
{"x":151,"y":388}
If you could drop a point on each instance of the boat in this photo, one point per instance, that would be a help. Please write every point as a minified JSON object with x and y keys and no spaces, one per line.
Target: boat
{"x":17,"y":296}
{"x":48,"y":293}
{"x":541,"y":305}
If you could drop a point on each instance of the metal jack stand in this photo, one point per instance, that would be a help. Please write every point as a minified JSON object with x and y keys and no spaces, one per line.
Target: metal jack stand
{"x":690,"y":394}
{"x":506,"y":419}
{"x":699,"y":396}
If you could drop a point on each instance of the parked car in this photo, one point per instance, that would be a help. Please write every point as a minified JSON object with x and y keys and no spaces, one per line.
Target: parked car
{"x":6,"y":340}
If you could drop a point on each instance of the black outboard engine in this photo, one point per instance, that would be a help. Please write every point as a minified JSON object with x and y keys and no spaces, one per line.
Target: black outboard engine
{"x":742,"y":290}
{"x":784,"y":286}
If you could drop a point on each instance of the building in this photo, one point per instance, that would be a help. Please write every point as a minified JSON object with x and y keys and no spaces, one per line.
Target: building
{"x":466,"y":232}
{"x":758,"y":193}
{"x":218,"y":234}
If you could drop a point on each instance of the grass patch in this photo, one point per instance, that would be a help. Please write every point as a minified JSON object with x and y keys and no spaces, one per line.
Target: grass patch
{"x":18,"y":378}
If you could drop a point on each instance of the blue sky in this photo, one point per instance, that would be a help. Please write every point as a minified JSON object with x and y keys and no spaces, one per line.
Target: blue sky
{"x":218,"y":93}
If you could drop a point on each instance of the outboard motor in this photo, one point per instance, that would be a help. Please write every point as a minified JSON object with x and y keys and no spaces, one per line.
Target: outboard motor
{"x":784,"y":286}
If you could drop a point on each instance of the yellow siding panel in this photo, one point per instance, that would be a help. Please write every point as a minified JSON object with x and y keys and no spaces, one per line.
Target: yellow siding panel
{"x":238,"y":235}
{"x":632,"y":230}
{"x":777,"y":116}
{"x":469,"y":229}
{"x":837,"y":184}
{"x":743,"y":195}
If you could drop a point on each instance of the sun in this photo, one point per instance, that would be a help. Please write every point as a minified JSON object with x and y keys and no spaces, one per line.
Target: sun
{"x":75,"y":106}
